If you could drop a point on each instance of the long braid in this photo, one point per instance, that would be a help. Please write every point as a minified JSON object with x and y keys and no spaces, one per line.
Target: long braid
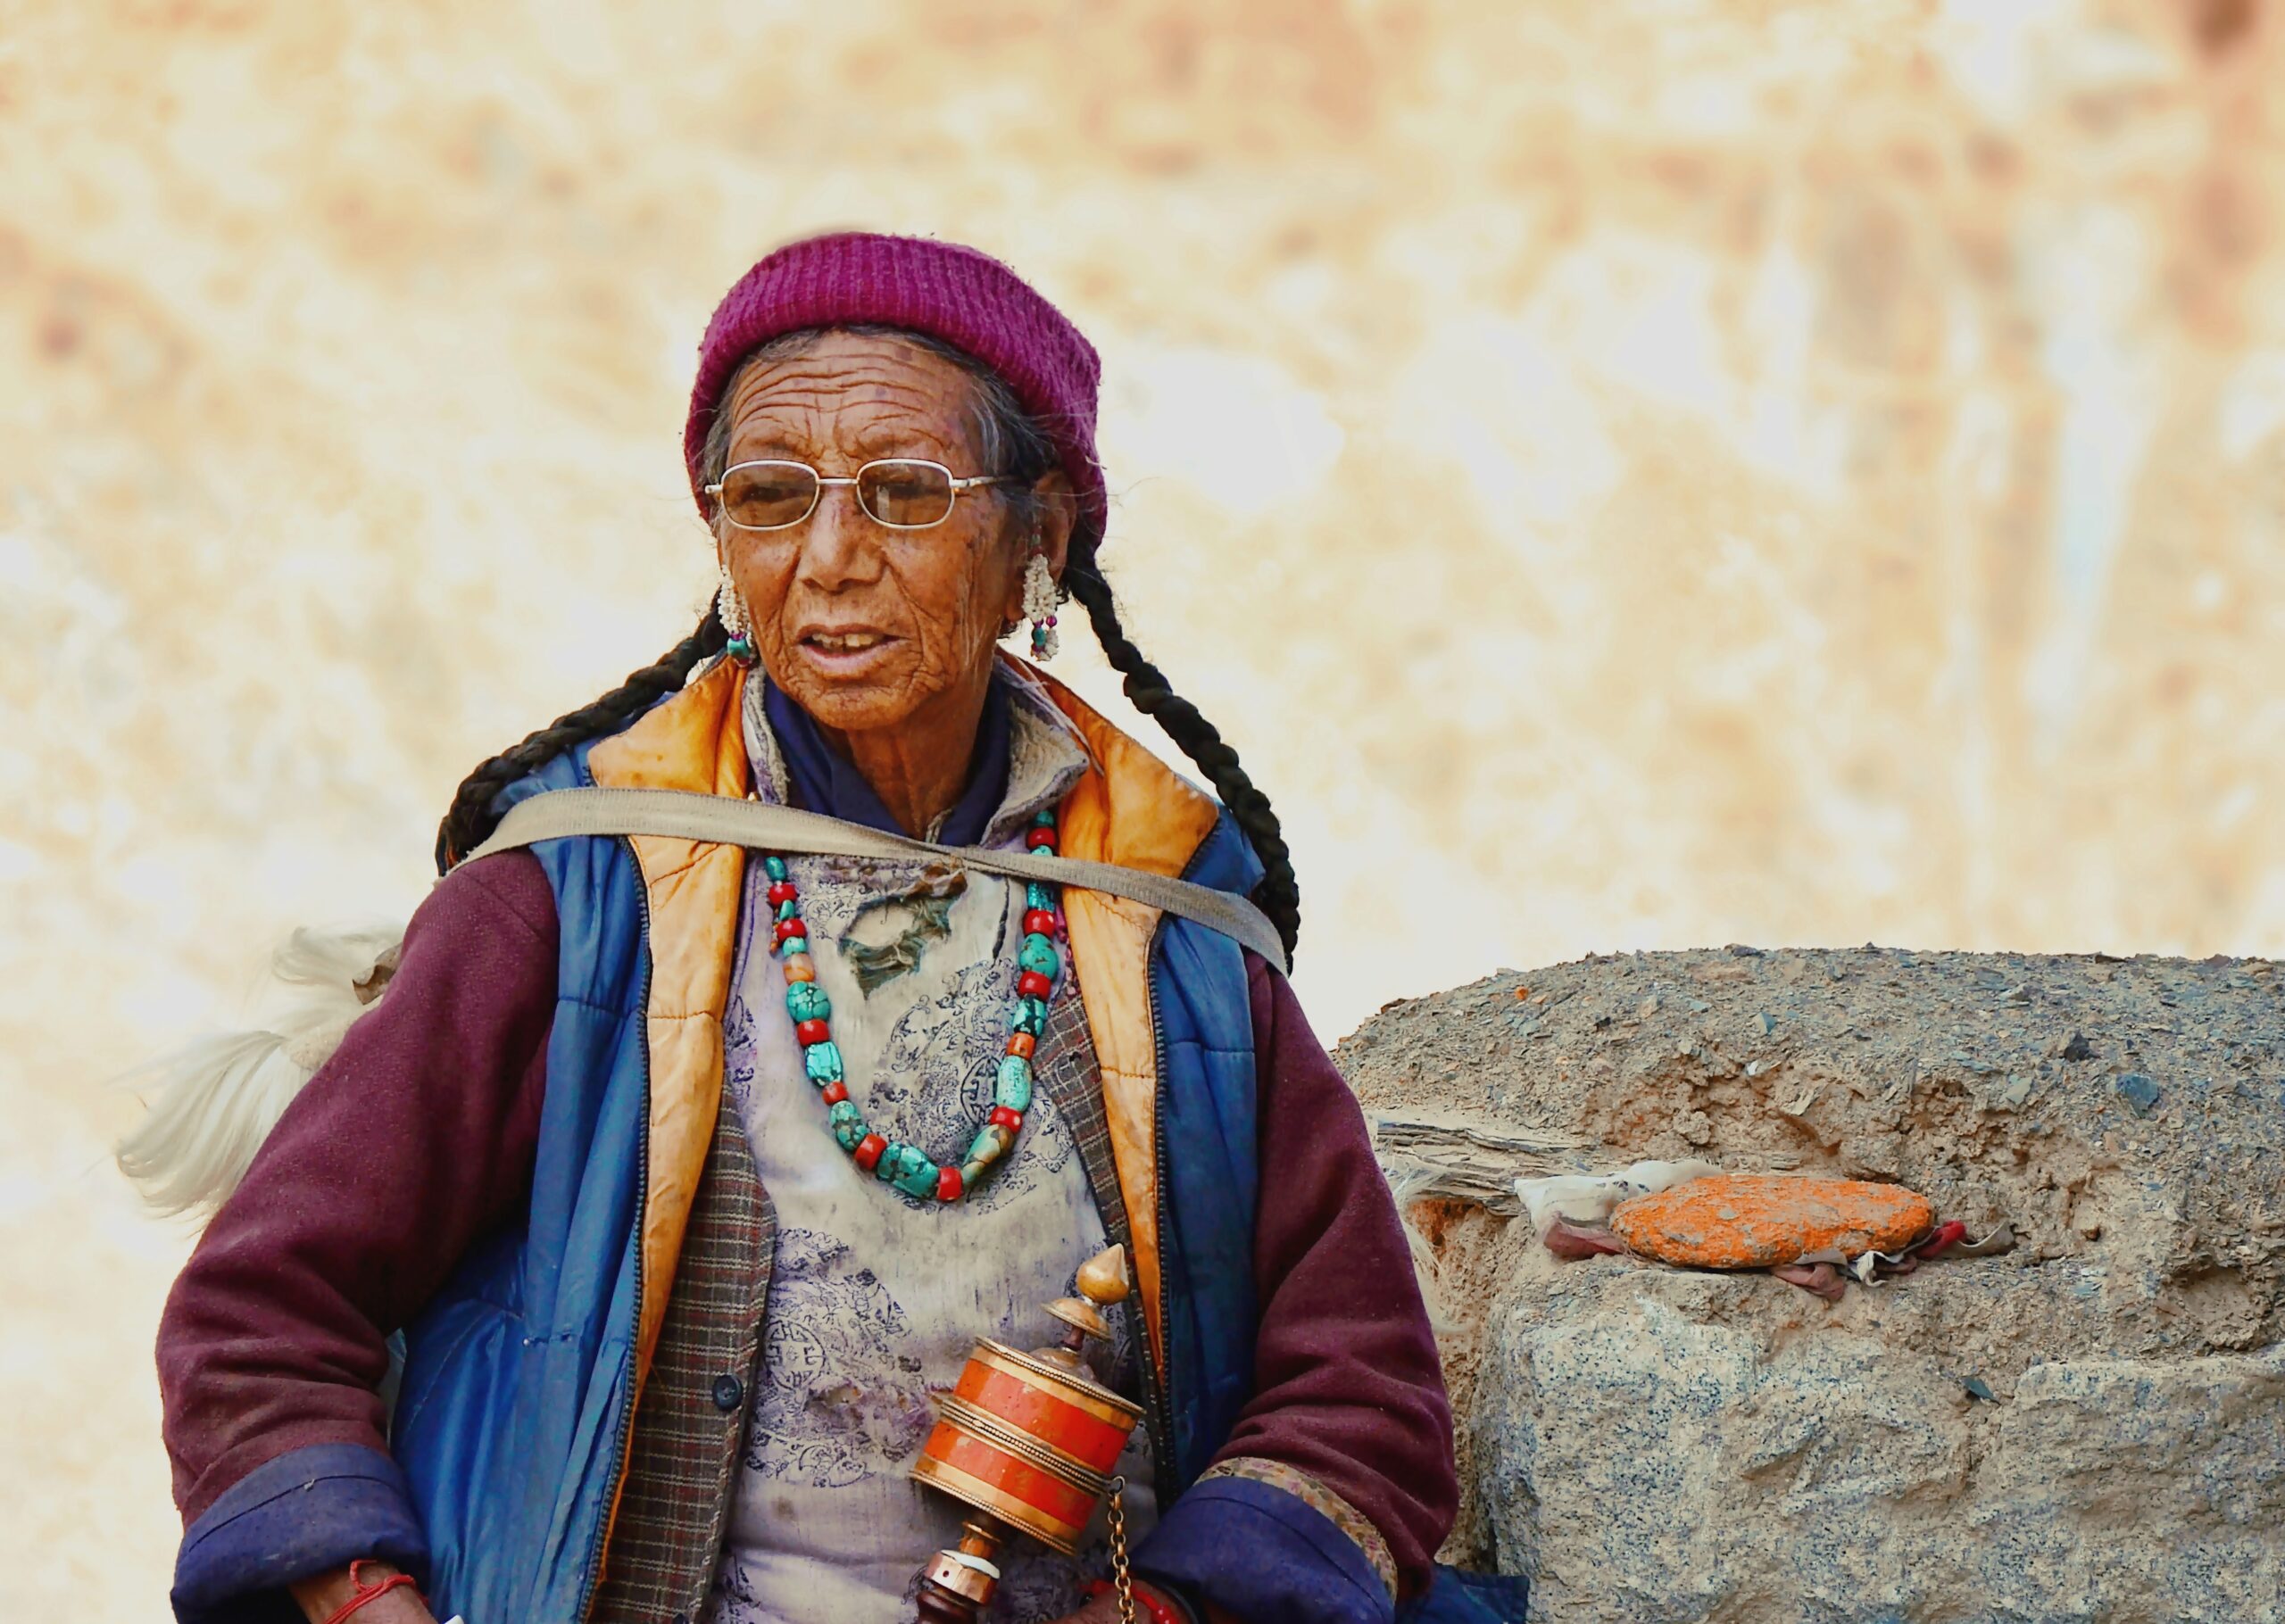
{"x":471,"y":819}
{"x":1280,"y":891}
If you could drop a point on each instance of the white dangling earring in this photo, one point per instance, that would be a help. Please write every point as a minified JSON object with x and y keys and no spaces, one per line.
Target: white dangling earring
{"x":732,"y":610}
{"x":1039,"y":606}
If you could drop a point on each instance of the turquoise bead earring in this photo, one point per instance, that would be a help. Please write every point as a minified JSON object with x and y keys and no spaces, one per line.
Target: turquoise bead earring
{"x":732,"y":610}
{"x":1039,"y":605}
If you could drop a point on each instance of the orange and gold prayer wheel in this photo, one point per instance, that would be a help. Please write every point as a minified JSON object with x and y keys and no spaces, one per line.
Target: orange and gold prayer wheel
{"x":1029,"y":1437}
{"x":1031,"y":1443}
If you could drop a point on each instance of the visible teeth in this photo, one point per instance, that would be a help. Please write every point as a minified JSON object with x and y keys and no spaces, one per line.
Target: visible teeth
{"x":849,"y":644}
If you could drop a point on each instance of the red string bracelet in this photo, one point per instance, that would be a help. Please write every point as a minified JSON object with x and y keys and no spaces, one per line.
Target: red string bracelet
{"x":1159,"y":1609}
{"x":365,"y":1592}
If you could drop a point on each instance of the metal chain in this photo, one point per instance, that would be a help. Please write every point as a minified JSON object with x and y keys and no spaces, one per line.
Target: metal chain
{"x":1115,"y":1512}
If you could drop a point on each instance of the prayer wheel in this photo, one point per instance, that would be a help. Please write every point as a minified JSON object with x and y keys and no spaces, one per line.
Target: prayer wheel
{"x":1030,"y":1440}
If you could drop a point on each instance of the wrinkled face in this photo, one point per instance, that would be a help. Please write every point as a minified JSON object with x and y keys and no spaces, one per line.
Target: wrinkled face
{"x":863,"y":626}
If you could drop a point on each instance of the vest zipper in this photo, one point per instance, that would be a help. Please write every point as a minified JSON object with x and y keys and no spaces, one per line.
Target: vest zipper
{"x":1165,"y":1466}
{"x":591,"y":1582}
{"x":1159,"y":1414}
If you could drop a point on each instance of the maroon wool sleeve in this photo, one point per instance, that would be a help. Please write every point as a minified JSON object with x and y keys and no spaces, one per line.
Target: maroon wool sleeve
{"x":1347,"y":1386}
{"x":415,"y":1138}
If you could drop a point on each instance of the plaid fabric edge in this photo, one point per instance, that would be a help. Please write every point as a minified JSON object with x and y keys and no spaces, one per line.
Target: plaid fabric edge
{"x":675,"y":1501}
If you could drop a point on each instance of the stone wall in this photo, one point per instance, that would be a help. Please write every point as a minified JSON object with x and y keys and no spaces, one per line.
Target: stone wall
{"x":2091,"y":1427}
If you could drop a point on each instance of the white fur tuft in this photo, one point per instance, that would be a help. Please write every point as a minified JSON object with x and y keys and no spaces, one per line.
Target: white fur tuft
{"x":1591,"y":1200}
{"x":216,"y":1099}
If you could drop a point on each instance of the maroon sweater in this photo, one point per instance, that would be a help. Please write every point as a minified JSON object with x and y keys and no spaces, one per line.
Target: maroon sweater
{"x":419,"y":1135}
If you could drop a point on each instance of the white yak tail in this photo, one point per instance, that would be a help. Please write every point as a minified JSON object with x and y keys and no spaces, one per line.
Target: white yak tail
{"x":215,"y":1099}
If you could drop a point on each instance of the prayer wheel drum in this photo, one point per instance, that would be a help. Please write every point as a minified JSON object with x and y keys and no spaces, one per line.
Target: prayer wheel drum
{"x":1030,"y":1439}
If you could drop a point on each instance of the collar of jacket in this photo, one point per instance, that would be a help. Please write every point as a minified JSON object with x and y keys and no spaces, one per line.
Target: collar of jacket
{"x":1128,"y":809}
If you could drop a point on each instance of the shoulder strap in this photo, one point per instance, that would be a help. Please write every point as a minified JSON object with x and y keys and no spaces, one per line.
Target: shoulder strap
{"x":560,"y":814}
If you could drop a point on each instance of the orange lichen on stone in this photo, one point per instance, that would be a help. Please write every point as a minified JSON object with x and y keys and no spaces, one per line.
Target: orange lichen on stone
{"x":1758,"y":1220}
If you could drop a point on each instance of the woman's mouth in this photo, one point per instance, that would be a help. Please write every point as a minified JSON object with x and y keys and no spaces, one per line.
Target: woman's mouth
{"x":844,"y":652}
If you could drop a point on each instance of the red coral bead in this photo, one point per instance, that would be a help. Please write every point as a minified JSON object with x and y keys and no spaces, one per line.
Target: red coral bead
{"x":781,"y":892}
{"x":948,"y":1184}
{"x":867,"y":1154}
{"x":1039,"y":838}
{"x":806,"y":1033}
{"x":1002,"y":1117}
{"x":1039,"y":922}
{"x":792,"y":927}
{"x":1021,"y":1044}
{"x":834,"y":1093}
{"x":1031,"y":985}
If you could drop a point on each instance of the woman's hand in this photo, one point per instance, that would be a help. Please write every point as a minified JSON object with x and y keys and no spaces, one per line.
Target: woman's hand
{"x":322,"y":1597}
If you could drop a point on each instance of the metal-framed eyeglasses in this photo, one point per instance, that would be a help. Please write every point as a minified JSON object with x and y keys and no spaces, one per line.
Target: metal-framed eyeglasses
{"x":897,"y":493}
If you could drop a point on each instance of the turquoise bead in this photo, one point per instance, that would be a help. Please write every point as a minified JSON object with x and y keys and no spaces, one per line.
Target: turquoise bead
{"x":1040,"y":956}
{"x":823,"y":1061}
{"x":787,"y":910}
{"x":1013,"y":1086}
{"x":807,"y":1001}
{"x":990,"y":1144}
{"x":774,"y":868}
{"x":1040,"y":897}
{"x":891,"y":1164}
{"x":793,"y":945}
{"x":919,"y":1180}
{"x":1043,"y":820}
{"x":1029,"y":1016}
{"x":848,"y":1125}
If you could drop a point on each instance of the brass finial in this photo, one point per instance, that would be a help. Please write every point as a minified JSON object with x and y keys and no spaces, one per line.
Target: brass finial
{"x":1102,"y":1282}
{"x":1102,"y":1278}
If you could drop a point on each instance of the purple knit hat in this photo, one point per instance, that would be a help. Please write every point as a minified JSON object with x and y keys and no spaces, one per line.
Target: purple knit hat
{"x":957,"y":294}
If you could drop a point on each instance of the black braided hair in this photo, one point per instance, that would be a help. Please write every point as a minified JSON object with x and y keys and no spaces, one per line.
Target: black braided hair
{"x":471,"y":819}
{"x":1013,"y":443}
{"x":1147,"y":688}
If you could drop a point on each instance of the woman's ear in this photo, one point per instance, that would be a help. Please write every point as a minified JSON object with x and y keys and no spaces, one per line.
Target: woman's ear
{"x":1058,"y":513}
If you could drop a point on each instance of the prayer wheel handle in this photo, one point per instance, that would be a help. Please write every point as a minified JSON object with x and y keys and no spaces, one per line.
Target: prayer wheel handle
{"x":957,"y":1584}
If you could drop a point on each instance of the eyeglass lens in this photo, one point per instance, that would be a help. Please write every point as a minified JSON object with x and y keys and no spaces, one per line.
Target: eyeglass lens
{"x":909,"y":495}
{"x":773,"y":495}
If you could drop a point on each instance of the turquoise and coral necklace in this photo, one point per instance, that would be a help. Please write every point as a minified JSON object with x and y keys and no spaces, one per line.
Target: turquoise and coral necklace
{"x":1038,"y":964}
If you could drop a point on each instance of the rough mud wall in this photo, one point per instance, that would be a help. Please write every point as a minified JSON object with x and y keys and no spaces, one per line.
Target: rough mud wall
{"x":2090,"y":1426}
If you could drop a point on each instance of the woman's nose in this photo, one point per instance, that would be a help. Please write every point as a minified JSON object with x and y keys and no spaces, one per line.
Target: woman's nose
{"x":840,"y":544}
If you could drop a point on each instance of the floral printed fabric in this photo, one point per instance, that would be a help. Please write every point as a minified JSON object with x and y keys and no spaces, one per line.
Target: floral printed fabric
{"x":876,"y":1298}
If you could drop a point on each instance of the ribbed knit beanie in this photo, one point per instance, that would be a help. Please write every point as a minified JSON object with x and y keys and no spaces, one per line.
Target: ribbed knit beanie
{"x":966,"y":298}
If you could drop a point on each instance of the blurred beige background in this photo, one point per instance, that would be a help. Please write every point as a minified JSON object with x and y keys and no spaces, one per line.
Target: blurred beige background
{"x":1626,"y":475}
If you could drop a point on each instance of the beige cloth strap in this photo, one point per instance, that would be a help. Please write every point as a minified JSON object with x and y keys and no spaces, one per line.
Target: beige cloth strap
{"x":562,"y":813}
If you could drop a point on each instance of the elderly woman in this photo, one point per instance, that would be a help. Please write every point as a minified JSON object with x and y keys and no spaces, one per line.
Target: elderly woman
{"x":681,"y":1171}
